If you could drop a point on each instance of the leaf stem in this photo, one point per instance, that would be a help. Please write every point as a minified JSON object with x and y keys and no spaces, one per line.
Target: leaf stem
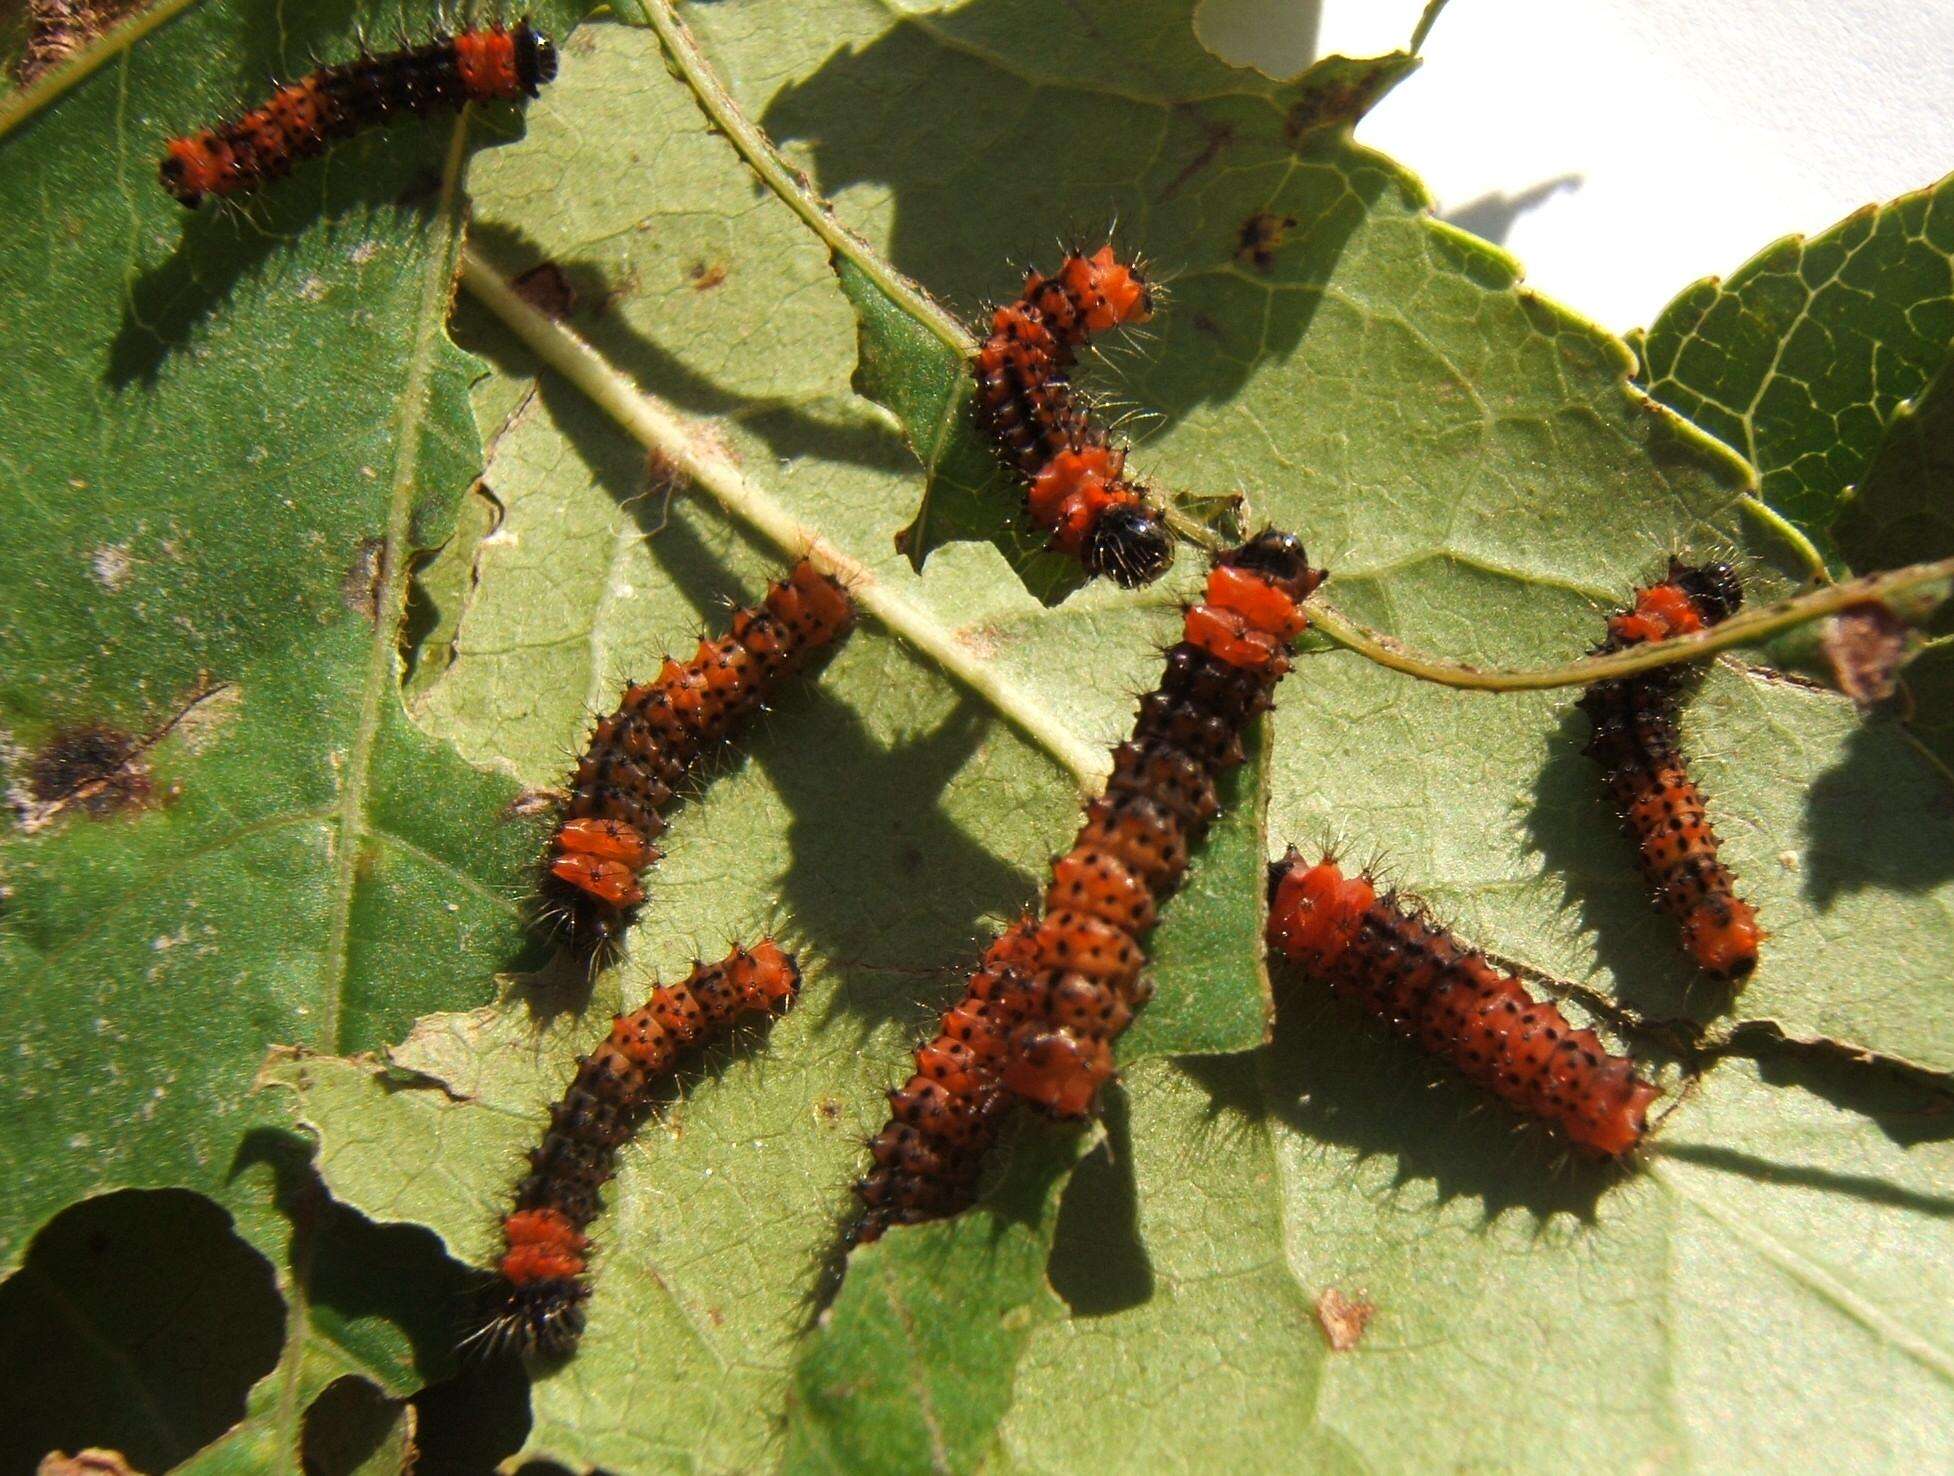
{"x":789,"y":183}
{"x":1425,"y":24}
{"x":1740,"y":630}
{"x":44,"y":89}
{"x":692,"y":451}
{"x":1791,"y":533}
{"x":793,"y":189}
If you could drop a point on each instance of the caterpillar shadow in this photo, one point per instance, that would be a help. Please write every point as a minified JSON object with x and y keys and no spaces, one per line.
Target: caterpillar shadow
{"x":1878,"y":820}
{"x":1492,"y":216}
{"x":1099,"y":1263}
{"x":881,"y":890}
{"x":1340,"y":1082}
{"x":583,"y":292}
{"x":170,"y":304}
{"x":886,"y":889}
{"x":1208,"y":169}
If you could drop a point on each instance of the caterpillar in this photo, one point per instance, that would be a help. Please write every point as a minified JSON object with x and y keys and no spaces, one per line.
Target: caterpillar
{"x":1428,"y":986}
{"x":1077,"y":488}
{"x":302,"y":118}
{"x":1039,"y":1015}
{"x":1637,"y":743}
{"x":545,"y":1255}
{"x":637,"y":757}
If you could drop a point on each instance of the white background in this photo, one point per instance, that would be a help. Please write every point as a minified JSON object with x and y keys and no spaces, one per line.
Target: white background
{"x":1623,"y":148}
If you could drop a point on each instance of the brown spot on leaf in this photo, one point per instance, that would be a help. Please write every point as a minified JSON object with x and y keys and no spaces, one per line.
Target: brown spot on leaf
{"x":663,"y":477}
{"x":983,"y":640}
{"x":828,"y":1109}
{"x":57,"y":29}
{"x":1343,"y":1320}
{"x":622,"y":290}
{"x":99,"y":769}
{"x":1261,"y":236}
{"x":1333,"y":101}
{"x":95,"y":768}
{"x":1864,"y":646}
{"x":704,"y":278}
{"x":209,"y":713}
{"x":112,"y":566}
{"x":547,"y":288}
{"x":1219,"y":136}
{"x":360,"y":588}
{"x":535,"y":802}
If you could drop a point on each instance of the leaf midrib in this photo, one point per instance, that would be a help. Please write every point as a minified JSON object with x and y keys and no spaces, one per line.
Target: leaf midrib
{"x":382,"y":670}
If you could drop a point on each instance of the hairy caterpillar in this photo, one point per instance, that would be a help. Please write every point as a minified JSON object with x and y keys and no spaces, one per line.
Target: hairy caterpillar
{"x":1422,"y":982}
{"x":1038,"y":1017}
{"x":545,"y":1250}
{"x":303,"y":118}
{"x":1076,"y":481}
{"x":637,"y":757}
{"x":1637,"y":743}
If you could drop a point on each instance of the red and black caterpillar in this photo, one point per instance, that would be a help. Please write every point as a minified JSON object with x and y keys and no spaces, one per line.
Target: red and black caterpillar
{"x":1638,"y":746}
{"x":1041,"y":429}
{"x":1429,"y":986}
{"x":1038,"y":1018}
{"x":545,"y":1251}
{"x":302,"y":118}
{"x":638,"y":756}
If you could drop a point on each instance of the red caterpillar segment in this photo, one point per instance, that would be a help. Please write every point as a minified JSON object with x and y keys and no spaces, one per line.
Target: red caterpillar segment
{"x":1430,"y":987}
{"x":1077,"y":485}
{"x":1038,"y":1018}
{"x":544,"y":1258}
{"x":638,"y":755}
{"x":1637,"y":743}
{"x":494,"y":63}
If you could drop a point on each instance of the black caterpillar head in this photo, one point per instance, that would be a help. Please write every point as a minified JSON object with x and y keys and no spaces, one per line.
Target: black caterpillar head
{"x":535,"y":58}
{"x":1279,"y":558}
{"x":1714,"y":589}
{"x":543,"y":1320}
{"x":1129,"y":545}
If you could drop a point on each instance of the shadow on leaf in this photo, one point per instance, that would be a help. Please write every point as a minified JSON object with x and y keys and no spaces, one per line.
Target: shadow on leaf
{"x":1877,"y":820}
{"x":1211,"y":169}
{"x":1099,"y":1264}
{"x":1337,"y":1080}
{"x":139,"y":1321}
{"x":583,"y":294}
{"x":365,"y":1285}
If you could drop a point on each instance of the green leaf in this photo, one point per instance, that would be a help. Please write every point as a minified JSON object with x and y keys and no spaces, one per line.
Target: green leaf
{"x":911,"y":1303}
{"x":1803,"y":355}
{"x":1898,"y":512}
{"x":925,"y":383}
{"x":234,"y":431}
{"x":1518,"y":1313}
{"x":1468,"y":459}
